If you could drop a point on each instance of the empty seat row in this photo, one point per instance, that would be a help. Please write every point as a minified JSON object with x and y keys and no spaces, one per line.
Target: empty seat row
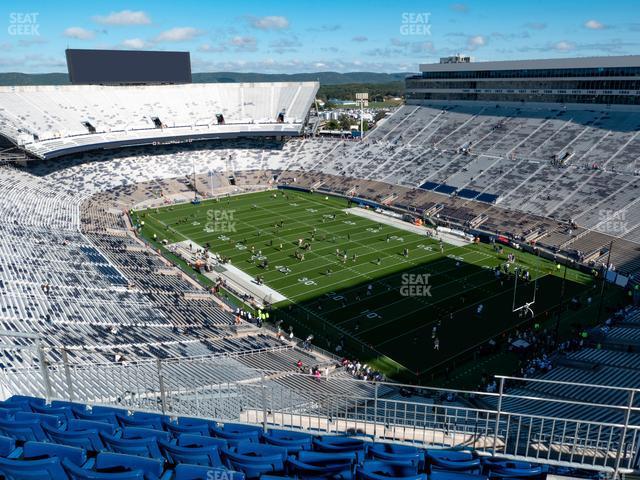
{"x":66,"y":440}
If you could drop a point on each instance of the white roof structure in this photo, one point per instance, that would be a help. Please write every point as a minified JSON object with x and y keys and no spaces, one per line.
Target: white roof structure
{"x":550,"y":63}
{"x":50,"y":121}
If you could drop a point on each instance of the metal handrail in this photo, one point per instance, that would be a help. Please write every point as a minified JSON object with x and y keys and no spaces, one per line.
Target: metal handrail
{"x":573,"y":384}
{"x":338,"y":404}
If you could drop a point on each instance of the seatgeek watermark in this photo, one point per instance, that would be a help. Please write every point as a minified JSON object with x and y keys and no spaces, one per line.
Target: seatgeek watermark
{"x":221,"y":221}
{"x":415,"y":285}
{"x":218,"y":474}
{"x":415,"y":23}
{"x":24,"y":24}
{"x":613,"y":222}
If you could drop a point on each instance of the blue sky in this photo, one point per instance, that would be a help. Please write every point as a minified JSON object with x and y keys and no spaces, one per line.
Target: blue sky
{"x":282,"y":36}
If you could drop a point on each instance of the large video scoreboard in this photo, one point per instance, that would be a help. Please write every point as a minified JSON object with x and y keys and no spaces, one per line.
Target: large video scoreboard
{"x":127,"y":67}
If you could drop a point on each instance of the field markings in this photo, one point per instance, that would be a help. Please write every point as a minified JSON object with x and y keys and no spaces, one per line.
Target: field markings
{"x":306,"y":227}
{"x":360,"y":245}
{"x":477,"y":287}
{"x":291,"y":217}
{"x":398,"y":261}
{"x":337,"y":262}
{"x":372,"y":279}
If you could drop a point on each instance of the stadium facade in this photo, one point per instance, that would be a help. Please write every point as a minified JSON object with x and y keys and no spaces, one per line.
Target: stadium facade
{"x":598,"y":81}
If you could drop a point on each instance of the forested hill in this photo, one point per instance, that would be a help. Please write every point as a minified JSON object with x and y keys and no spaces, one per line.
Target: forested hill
{"x":325,"y":78}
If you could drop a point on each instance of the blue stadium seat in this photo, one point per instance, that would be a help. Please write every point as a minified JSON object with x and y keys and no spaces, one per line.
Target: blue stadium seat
{"x":500,"y":468}
{"x":392,"y":451}
{"x":199,"y":472}
{"x":7,"y":413}
{"x":68,"y":404}
{"x":205,"y":455}
{"x":26,"y":400}
{"x":362,"y":475}
{"x":77,"y":425}
{"x":456,"y":461}
{"x":64,"y":413}
{"x":40,"y":450}
{"x":43,"y":469}
{"x":101,"y":409}
{"x":235,"y":432}
{"x":7,"y":446}
{"x":15,"y":406}
{"x":516,"y":473}
{"x":59,"y":446}
{"x":254,"y":459}
{"x":23,"y":430}
{"x":328,"y":443}
{"x":116,"y":466}
{"x":54,"y":421}
{"x":325,"y":458}
{"x":443,"y":475}
{"x":143,"y":447}
{"x":389,"y":468}
{"x":309,"y":471}
{"x":189,"y":440}
{"x":200,"y":428}
{"x":140,"y":433}
{"x":40,"y":460}
{"x":108,"y":417}
{"x":142,"y":419}
{"x":186,"y":421}
{"x":323,"y":465}
{"x":292,"y":441}
{"x":88,"y":439}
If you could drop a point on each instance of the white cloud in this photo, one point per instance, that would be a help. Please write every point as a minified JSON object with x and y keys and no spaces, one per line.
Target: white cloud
{"x":134,"y":43}
{"x":271,"y":22}
{"x":476,"y":41}
{"x":208,"y":48}
{"x":29,"y":42}
{"x":459,"y":7}
{"x":248,"y":44}
{"x":124,"y":17}
{"x":564,"y":46}
{"x":284,"y":45}
{"x":594,"y":25}
{"x":536,"y":25}
{"x":79,"y":33}
{"x":178,"y":34}
{"x":403,"y":47}
{"x":325,"y":28}
{"x":33,"y":63}
{"x":359,"y":38}
{"x":270,"y":65}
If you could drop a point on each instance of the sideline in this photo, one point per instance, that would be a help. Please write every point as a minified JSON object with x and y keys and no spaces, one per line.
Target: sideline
{"x":402,"y":225}
{"x":233,"y":275}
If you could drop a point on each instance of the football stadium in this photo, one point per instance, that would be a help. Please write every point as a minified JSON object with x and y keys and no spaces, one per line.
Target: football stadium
{"x":197,"y":283}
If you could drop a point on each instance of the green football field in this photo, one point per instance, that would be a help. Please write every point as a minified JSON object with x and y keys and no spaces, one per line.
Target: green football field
{"x":381,"y":303}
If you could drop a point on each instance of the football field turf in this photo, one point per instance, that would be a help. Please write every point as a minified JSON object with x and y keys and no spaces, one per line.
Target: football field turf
{"x":382,"y":303}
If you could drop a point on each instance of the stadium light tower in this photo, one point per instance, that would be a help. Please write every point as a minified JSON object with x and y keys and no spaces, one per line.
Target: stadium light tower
{"x":362,"y":99}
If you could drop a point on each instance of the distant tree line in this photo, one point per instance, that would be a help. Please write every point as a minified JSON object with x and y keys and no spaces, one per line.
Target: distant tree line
{"x":347,"y":91}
